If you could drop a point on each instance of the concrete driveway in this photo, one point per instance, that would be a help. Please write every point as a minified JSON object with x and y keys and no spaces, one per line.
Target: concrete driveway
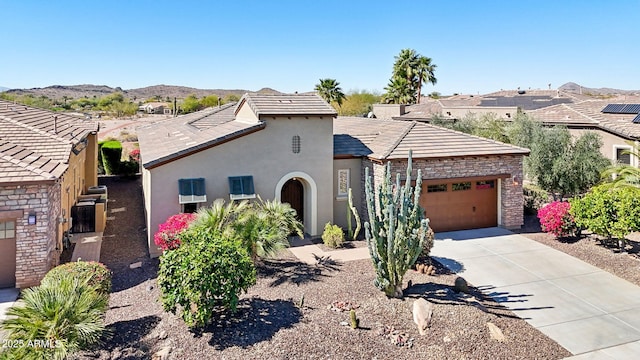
{"x":7,"y":298}
{"x":588,"y":311}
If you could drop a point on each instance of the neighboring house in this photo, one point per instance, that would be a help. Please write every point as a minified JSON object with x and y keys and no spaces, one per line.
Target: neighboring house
{"x":609,"y":118}
{"x":155,"y":108}
{"x":47,"y":160}
{"x":293,"y":148}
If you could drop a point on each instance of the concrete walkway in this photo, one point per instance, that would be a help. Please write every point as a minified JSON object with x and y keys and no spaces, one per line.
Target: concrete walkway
{"x":588,"y":311}
{"x":87,"y":246}
{"x":308,"y":252}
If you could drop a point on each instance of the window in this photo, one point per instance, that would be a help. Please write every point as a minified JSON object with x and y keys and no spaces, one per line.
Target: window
{"x":295,"y":144}
{"x":489,"y":184}
{"x":189,"y":208}
{"x":7,"y":229}
{"x":461,"y":186}
{"x":622,"y":155}
{"x":241,"y":187}
{"x":344,"y":182}
{"x":192,"y":191}
{"x":437,"y":188}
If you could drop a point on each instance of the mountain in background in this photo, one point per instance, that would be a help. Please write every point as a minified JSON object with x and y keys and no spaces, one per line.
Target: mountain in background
{"x":2,"y":88}
{"x":579,"y":89}
{"x":163,"y":91}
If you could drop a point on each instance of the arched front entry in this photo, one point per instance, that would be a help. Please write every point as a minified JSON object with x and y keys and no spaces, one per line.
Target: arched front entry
{"x":300,"y":190}
{"x":293,"y":194}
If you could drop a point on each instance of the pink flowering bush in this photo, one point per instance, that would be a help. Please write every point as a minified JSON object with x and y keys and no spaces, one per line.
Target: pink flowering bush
{"x":134,"y":155}
{"x":556,"y":219}
{"x":167,"y":237}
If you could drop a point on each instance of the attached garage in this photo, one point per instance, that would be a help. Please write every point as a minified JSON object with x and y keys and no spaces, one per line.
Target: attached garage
{"x":7,"y":254}
{"x":459,"y":204}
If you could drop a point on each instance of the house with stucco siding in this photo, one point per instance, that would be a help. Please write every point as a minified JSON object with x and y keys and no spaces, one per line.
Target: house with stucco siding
{"x":294,"y":148}
{"x":47,"y":161}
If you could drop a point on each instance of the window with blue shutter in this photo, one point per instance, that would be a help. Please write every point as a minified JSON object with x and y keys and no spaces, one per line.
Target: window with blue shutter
{"x":191,"y":191}
{"x":241,"y":187}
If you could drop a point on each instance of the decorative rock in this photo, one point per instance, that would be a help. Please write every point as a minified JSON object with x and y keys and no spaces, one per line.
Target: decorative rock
{"x":344,"y":323}
{"x":446,"y":339}
{"x":422,"y":311}
{"x":162,"y":335}
{"x":162,"y":354}
{"x":136,"y":265}
{"x":495,"y":332}
{"x":460,"y":285}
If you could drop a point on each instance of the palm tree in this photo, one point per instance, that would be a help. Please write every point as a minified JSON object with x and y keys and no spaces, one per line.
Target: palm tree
{"x":70,"y":315}
{"x":263,"y":227}
{"x":415,"y":70}
{"x":425,"y":73}
{"x":398,"y":91}
{"x":330,"y":91}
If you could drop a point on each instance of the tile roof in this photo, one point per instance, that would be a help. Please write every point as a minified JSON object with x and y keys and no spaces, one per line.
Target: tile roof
{"x":287,"y":104}
{"x":171,"y":139}
{"x":392,"y":139}
{"x":588,"y":113}
{"x":35,"y":144}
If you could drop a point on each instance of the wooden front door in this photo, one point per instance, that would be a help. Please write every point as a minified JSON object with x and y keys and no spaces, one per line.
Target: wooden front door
{"x":7,"y":254}
{"x":465,"y":204}
{"x":293,"y":194}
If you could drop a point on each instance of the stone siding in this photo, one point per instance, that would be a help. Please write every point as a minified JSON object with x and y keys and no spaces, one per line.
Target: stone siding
{"x":36,"y":245}
{"x":511,"y":198}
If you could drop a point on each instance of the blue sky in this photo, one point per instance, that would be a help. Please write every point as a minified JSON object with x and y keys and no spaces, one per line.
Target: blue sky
{"x":478,"y":46}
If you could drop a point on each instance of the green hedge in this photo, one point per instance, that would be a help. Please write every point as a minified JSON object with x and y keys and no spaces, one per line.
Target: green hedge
{"x":111,"y":154}
{"x":95,"y":273}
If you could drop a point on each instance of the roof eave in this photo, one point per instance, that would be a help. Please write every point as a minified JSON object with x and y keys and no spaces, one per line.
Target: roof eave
{"x":201,"y":147}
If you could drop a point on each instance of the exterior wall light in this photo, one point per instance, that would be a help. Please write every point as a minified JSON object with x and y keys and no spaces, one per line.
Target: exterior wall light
{"x":31,"y":220}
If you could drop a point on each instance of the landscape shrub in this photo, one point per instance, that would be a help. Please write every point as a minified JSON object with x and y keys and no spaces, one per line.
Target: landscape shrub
{"x":608,"y":211}
{"x":63,"y":316}
{"x":125,"y":136}
{"x":167,"y":236}
{"x":204,"y":276}
{"x":556,"y":219}
{"x":134,"y":155}
{"x":263,"y":226}
{"x":428,"y":243}
{"x":128,"y":168}
{"x":332,"y":236}
{"x":111,"y":155}
{"x":92,"y":272}
{"x":534,"y":198}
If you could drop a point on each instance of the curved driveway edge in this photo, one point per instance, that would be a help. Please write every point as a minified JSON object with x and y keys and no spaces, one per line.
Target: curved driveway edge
{"x":588,"y":311}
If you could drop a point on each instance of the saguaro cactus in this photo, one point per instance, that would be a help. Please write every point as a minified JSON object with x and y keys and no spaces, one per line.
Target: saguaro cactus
{"x":396,"y":229}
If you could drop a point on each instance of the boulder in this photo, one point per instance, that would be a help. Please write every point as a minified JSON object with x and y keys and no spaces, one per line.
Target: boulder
{"x":422,"y":312}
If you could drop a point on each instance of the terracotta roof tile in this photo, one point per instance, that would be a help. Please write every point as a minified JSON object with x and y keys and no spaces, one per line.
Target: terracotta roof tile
{"x":35,"y":144}
{"x":288,"y":104}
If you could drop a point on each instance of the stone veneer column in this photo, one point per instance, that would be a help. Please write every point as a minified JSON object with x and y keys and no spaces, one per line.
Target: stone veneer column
{"x":35,"y":244}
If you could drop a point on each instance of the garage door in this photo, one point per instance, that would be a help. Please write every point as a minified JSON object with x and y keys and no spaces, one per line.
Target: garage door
{"x":459,"y":205}
{"x":7,"y":254}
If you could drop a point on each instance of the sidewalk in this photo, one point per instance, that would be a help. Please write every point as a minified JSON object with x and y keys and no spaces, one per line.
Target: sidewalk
{"x":588,"y":311}
{"x":308,"y":252}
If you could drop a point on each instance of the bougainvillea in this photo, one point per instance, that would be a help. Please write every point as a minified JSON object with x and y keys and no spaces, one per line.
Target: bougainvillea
{"x":556,"y":219}
{"x":167,"y":237}
{"x":135,"y":155}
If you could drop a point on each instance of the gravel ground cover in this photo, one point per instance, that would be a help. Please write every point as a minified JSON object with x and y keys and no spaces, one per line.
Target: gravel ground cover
{"x":272,"y":323}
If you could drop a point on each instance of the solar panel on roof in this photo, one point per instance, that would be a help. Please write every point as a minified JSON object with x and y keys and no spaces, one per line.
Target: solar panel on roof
{"x":632,"y":109}
{"x":636,"y":120}
{"x":613,"y":108}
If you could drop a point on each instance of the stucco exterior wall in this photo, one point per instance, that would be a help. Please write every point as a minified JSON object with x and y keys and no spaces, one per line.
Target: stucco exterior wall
{"x":266,"y":155}
{"x":340,"y":203}
{"x":609,"y":142}
{"x":36,"y":245}
{"x":510,"y":196}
